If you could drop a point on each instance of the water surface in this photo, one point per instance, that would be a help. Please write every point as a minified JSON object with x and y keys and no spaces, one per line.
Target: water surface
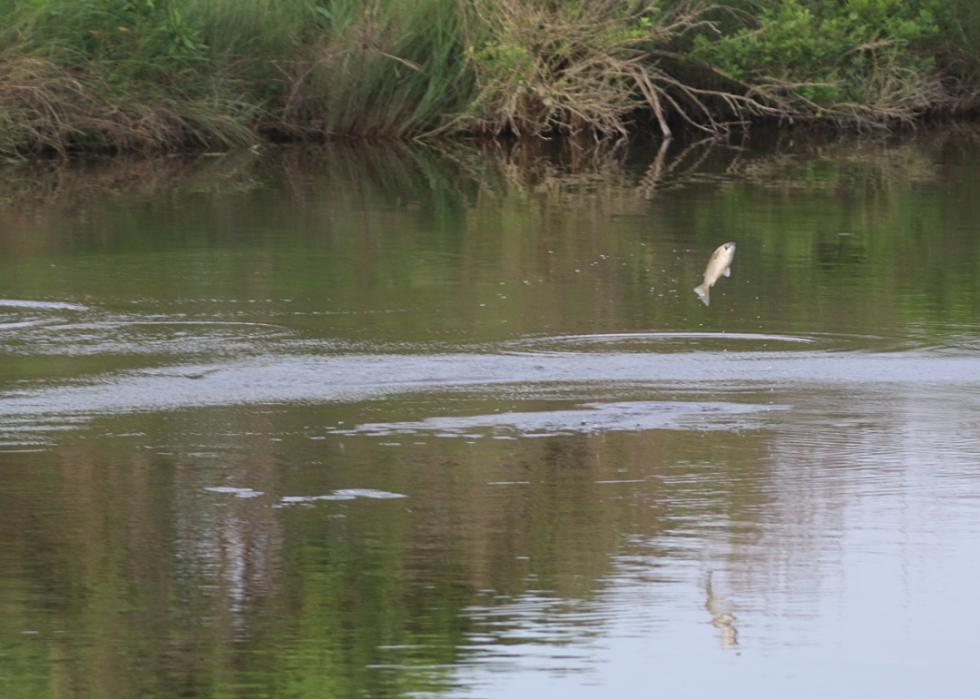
{"x":355,"y":422}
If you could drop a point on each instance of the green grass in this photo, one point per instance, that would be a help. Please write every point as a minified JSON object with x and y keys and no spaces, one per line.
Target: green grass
{"x":124,"y":75}
{"x":380,"y":69}
{"x":957,"y":44}
{"x":108,"y":75}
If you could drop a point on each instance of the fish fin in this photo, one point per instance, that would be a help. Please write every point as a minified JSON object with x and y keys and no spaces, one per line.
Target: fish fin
{"x":727,"y":272}
{"x":702,"y":290}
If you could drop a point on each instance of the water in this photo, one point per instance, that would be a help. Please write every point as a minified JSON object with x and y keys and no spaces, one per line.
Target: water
{"x":362,"y":422}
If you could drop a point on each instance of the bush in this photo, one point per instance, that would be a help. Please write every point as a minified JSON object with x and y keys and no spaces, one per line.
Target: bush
{"x":839,"y":58}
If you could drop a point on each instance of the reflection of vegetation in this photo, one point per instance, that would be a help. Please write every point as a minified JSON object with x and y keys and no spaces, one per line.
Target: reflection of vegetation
{"x":159,"y":585}
{"x":137,"y":580}
{"x":392,"y":229}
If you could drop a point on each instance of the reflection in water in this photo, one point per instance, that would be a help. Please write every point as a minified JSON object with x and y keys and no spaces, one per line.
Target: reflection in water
{"x":391,"y":423}
{"x":721,"y":619}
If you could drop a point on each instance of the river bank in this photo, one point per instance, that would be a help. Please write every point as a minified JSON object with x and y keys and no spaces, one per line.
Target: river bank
{"x":169,"y":75}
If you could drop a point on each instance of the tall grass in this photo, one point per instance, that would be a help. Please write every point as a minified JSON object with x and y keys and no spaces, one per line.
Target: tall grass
{"x":957,"y":49}
{"x":109,"y":75}
{"x":382,"y":69}
{"x":121,"y":75}
{"x":252,"y":30}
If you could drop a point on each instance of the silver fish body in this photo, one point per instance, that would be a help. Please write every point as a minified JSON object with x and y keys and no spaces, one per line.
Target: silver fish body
{"x":719,"y":264}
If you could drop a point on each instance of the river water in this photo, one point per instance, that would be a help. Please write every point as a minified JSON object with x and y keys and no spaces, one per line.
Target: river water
{"x":408,"y":422}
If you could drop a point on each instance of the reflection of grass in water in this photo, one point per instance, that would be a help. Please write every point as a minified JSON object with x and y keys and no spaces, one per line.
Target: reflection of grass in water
{"x":611,"y":184}
{"x":571,"y":172}
{"x":81,"y":182}
{"x":873,"y":166}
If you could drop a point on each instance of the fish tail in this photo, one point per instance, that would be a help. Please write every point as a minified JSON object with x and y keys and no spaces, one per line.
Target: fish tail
{"x":702,"y":290}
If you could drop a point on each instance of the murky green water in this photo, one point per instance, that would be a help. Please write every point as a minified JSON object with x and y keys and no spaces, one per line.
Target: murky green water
{"x":397,"y":423}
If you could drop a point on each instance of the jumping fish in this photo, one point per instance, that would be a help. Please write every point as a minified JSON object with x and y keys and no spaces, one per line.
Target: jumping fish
{"x":719,"y":264}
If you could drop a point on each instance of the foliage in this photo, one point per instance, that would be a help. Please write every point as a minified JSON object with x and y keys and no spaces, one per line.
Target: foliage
{"x":162,"y":74}
{"x":956,"y":46}
{"x":842,"y":58}
{"x":110,"y":74}
{"x":545,"y":66}
{"x":381,"y":69}
{"x":145,"y":39}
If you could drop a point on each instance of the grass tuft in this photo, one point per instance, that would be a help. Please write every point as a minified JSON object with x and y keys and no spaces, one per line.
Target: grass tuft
{"x":379,"y":69}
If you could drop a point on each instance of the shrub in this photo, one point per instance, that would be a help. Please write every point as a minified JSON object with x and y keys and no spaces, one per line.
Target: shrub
{"x":839,"y":58}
